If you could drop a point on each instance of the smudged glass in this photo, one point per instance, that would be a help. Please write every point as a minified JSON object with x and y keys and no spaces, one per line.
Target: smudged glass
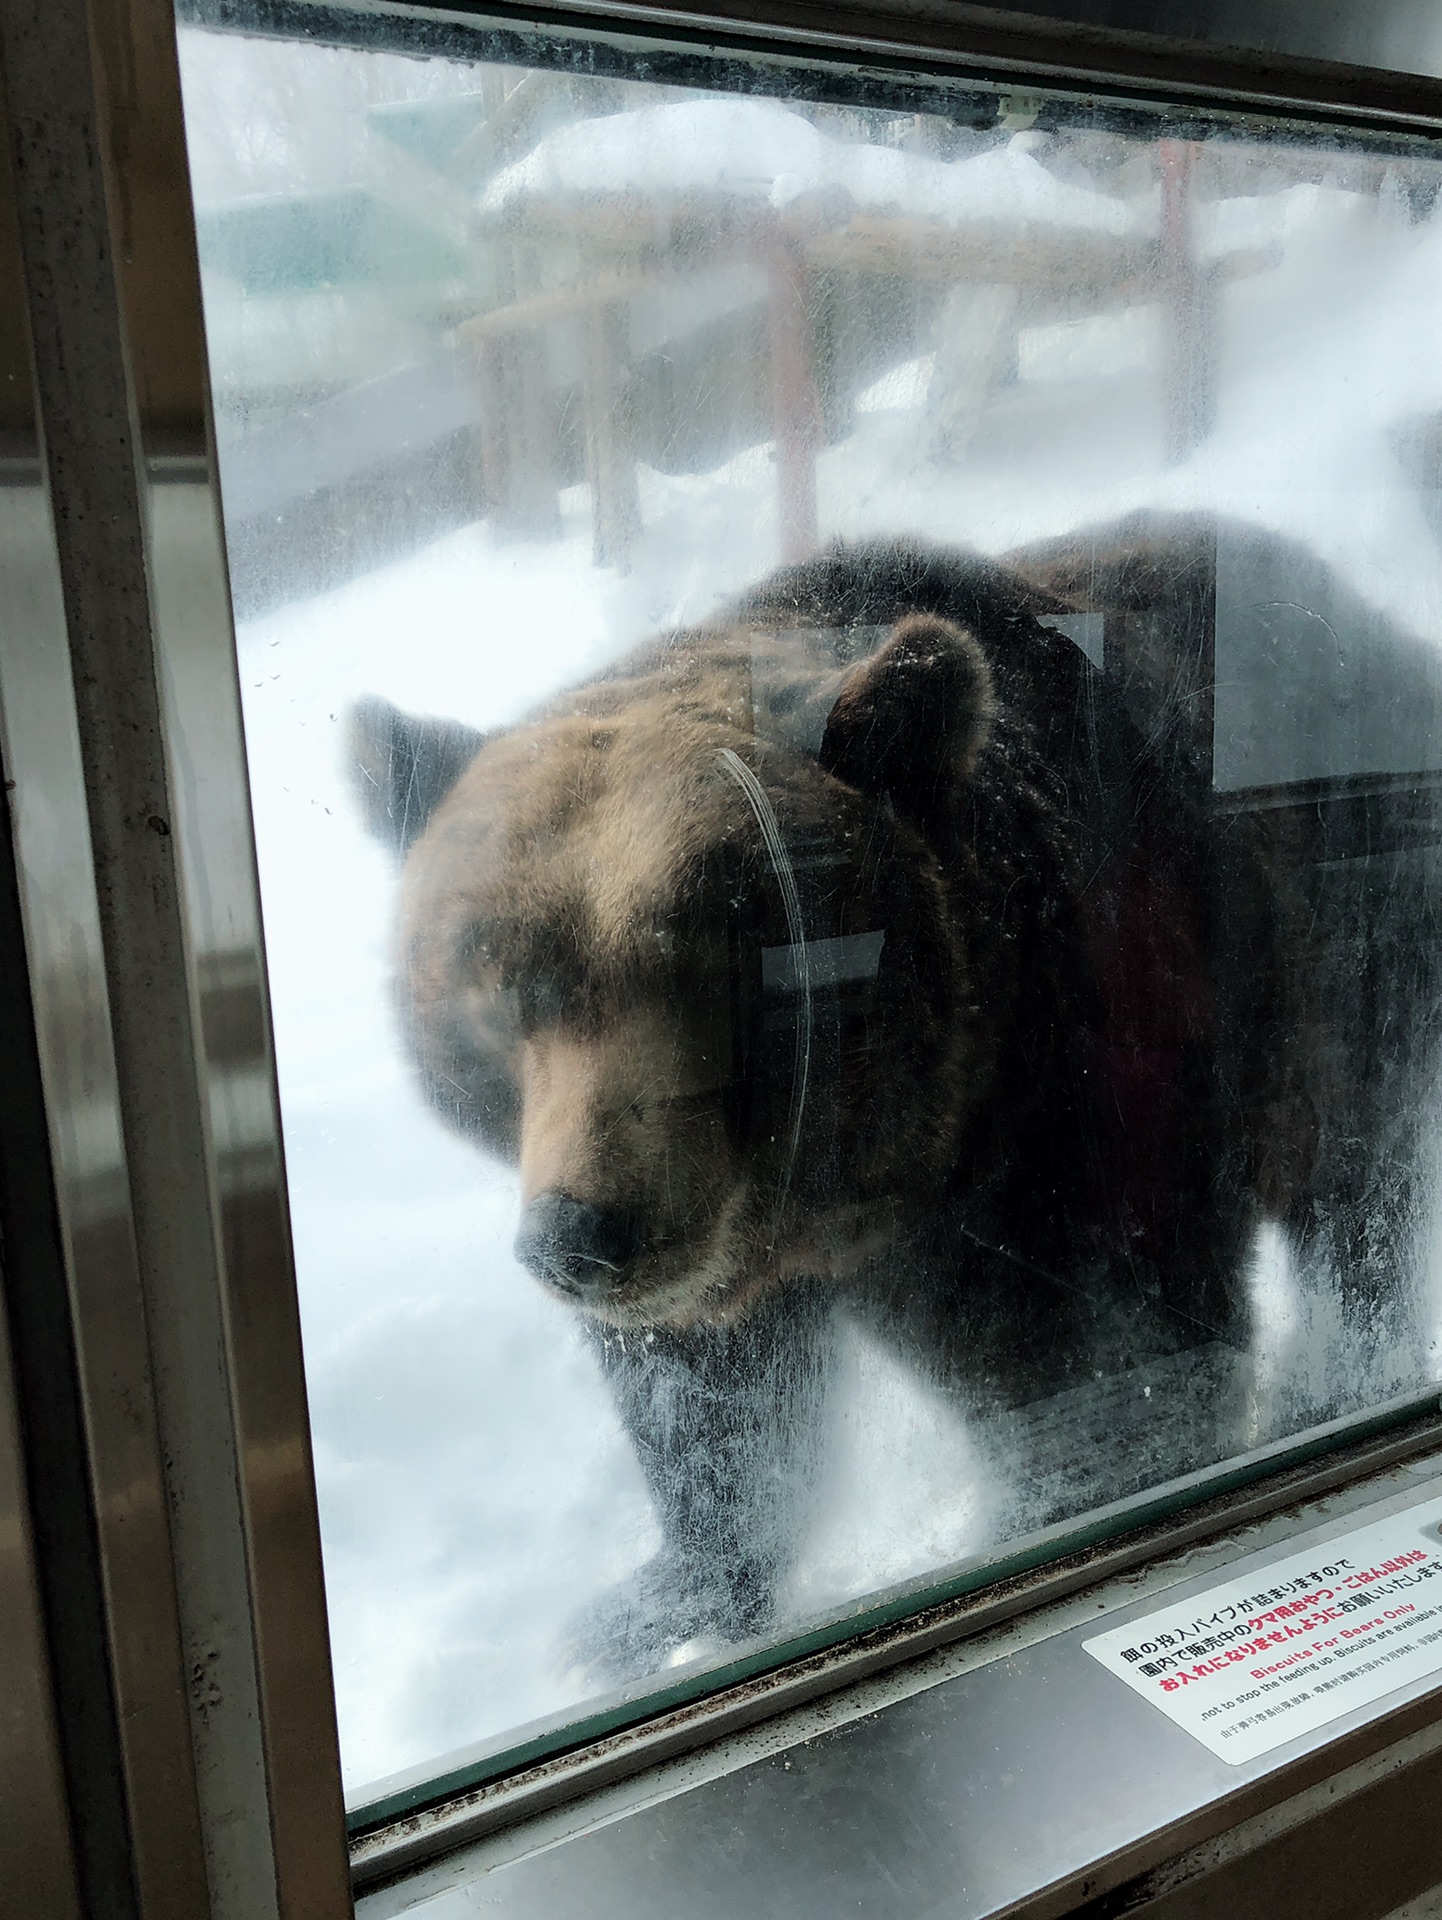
{"x":525,"y":352}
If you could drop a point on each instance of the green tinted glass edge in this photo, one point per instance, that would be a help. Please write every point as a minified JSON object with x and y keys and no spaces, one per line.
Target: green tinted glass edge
{"x":897,"y":1604}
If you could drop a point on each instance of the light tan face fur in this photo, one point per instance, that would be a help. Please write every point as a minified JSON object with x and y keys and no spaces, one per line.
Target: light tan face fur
{"x":551,"y":926}
{"x":569,"y":977}
{"x":633,"y":1117}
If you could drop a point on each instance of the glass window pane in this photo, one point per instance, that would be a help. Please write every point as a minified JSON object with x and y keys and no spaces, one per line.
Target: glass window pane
{"x":842,"y":685}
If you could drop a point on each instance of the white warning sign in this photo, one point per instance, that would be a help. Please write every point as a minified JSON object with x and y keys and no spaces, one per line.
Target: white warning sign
{"x":1281,"y":1650}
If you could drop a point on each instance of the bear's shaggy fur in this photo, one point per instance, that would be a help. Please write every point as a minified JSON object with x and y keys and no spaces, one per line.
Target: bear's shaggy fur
{"x":853,"y":946}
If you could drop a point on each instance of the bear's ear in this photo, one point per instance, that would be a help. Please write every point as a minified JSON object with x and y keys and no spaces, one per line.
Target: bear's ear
{"x":912,"y":720}
{"x":405,"y":766}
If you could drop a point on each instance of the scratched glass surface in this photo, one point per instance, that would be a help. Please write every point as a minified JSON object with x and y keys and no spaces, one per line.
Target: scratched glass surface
{"x":843,"y":707}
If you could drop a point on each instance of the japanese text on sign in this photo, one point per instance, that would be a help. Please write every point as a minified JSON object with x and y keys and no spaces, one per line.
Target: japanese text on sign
{"x":1279,"y":1651}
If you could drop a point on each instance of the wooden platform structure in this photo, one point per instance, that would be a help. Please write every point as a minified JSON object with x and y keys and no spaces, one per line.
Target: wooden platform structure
{"x":600,"y":250}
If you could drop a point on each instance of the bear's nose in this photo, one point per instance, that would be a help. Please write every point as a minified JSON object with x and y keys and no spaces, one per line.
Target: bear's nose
{"x":576,"y":1246}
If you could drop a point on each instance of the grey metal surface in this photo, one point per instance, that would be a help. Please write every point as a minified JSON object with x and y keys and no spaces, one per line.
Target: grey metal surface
{"x":1427,"y":1906}
{"x":1012,"y":1775}
{"x":1349,"y":1847}
{"x":1391,"y":36}
{"x":172,"y":1139}
{"x":78,"y":1302}
{"x":35,"y":1845}
{"x":1377,"y":63}
{"x":1265,"y":48}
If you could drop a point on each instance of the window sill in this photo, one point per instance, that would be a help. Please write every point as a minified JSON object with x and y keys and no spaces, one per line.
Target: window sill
{"x":1008,"y":1773}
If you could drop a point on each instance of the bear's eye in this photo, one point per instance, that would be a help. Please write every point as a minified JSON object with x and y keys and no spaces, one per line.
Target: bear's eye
{"x":542,"y":1000}
{"x":474,"y":952}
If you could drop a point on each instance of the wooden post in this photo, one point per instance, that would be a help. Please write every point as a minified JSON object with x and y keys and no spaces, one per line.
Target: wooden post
{"x":975,"y":342}
{"x":490,"y":438}
{"x":796,"y":406}
{"x":517,"y":435}
{"x":610,"y":465}
{"x":1187,"y":303}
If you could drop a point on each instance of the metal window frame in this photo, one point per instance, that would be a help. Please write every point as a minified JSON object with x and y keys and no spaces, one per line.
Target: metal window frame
{"x":1378,"y":67}
{"x":122,"y":738}
{"x":159,"y":1544}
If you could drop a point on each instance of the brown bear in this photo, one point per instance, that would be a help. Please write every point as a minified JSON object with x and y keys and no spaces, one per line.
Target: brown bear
{"x":1313,"y":723}
{"x":851,"y":950}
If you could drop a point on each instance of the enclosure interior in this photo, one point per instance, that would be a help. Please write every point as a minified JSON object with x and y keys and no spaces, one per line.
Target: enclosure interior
{"x":524,"y":350}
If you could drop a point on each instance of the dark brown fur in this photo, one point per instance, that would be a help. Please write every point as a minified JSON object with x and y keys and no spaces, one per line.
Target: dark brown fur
{"x":1022,"y":1131}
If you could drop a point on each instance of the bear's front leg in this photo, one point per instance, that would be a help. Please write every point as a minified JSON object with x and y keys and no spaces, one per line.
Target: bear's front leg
{"x":726,"y":1422}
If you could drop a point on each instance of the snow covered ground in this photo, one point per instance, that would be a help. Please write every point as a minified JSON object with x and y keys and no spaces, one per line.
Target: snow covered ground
{"x":474,"y":1483}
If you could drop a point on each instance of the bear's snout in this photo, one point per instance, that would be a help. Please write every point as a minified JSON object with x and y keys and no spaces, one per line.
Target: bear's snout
{"x":578,"y":1248}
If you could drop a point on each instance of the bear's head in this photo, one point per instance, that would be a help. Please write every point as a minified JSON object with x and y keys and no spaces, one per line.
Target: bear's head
{"x":693,"y":946}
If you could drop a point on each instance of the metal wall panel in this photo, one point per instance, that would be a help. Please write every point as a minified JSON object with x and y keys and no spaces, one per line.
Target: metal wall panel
{"x":35,"y":1847}
{"x":96,"y":1487}
{"x":1347,"y":61}
{"x":161,"y":1091}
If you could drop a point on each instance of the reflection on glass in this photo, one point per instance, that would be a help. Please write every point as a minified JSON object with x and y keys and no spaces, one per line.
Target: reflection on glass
{"x":843,"y":710}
